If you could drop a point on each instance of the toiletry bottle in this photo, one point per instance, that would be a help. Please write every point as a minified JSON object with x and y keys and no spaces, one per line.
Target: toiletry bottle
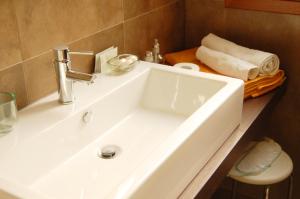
{"x":157,"y":58}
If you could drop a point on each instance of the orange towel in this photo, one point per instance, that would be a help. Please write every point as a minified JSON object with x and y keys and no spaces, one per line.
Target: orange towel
{"x":253,"y":88}
{"x":264,"y":84}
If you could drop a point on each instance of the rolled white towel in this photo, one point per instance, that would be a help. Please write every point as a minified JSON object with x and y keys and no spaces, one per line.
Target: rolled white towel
{"x":226,"y":64}
{"x":259,"y":158}
{"x":268,"y":63}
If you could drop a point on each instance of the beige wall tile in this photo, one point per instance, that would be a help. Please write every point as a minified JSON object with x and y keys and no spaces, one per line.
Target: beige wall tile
{"x":199,"y":22}
{"x":166,"y":24}
{"x":133,"y":8}
{"x":10,"y":52}
{"x":39,"y":76}
{"x":12,"y":80}
{"x":45,"y":24}
{"x":96,"y":43}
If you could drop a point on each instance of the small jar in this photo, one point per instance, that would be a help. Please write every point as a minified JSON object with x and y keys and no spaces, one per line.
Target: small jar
{"x":149,"y":56}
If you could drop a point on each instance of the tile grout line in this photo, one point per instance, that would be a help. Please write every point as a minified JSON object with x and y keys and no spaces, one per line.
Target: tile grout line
{"x":21,"y":53}
{"x":151,"y":11}
{"x":99,"y":31}
{"x":123,"y":25}
{"x":18,"y":31}
{"x":124,"y":36}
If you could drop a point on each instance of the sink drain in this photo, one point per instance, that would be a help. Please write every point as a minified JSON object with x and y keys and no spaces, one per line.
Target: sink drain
{"x":109,"y":152}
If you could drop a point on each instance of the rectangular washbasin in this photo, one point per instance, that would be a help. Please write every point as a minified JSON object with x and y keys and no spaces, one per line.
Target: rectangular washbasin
{"x":164,"y":123}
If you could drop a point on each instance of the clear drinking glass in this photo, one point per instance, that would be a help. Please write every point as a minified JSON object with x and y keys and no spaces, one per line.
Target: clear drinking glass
{"x":8,"y":112}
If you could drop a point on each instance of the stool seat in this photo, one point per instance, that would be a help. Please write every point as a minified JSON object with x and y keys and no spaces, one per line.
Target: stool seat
{"x":277,"y":172}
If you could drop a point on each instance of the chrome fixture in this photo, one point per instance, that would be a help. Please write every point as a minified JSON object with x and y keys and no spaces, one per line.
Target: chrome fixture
{"x":109,"y":152}
{"x":65,"y":76}
{"x":87,"y":117}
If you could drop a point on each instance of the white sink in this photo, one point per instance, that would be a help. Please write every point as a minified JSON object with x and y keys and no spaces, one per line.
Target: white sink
{"x":167,"y":122}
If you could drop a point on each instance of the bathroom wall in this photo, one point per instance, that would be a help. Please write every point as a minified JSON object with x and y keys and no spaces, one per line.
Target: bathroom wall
{"x":29,"y":29}
{"x":277,"y":33}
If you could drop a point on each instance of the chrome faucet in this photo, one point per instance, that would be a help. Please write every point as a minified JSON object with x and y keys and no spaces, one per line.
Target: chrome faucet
{"x":65,"y":76}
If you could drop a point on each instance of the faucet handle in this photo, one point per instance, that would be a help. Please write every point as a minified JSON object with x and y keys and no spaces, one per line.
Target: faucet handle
{"x":82,"y":53}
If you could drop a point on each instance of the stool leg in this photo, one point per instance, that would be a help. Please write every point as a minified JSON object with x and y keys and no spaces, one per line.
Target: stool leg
{"x":290,"y":187}
{"x":267,"y":192}
{"x":234,"y":187}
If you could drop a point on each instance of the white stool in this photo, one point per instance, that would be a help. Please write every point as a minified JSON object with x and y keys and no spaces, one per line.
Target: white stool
{"x":280,"y":170}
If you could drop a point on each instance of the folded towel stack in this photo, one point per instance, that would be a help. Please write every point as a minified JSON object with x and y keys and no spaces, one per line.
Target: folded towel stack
{"x":253,"y":88}
{"x":264,"y":84}
{"x":267,"y":63}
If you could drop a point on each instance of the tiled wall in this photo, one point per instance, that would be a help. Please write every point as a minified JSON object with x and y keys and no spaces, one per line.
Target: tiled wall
{"x":29,"y":29}
{"x":278,"y":33}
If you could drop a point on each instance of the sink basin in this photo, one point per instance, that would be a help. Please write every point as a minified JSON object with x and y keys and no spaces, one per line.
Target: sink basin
{"x":166,"y":122}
